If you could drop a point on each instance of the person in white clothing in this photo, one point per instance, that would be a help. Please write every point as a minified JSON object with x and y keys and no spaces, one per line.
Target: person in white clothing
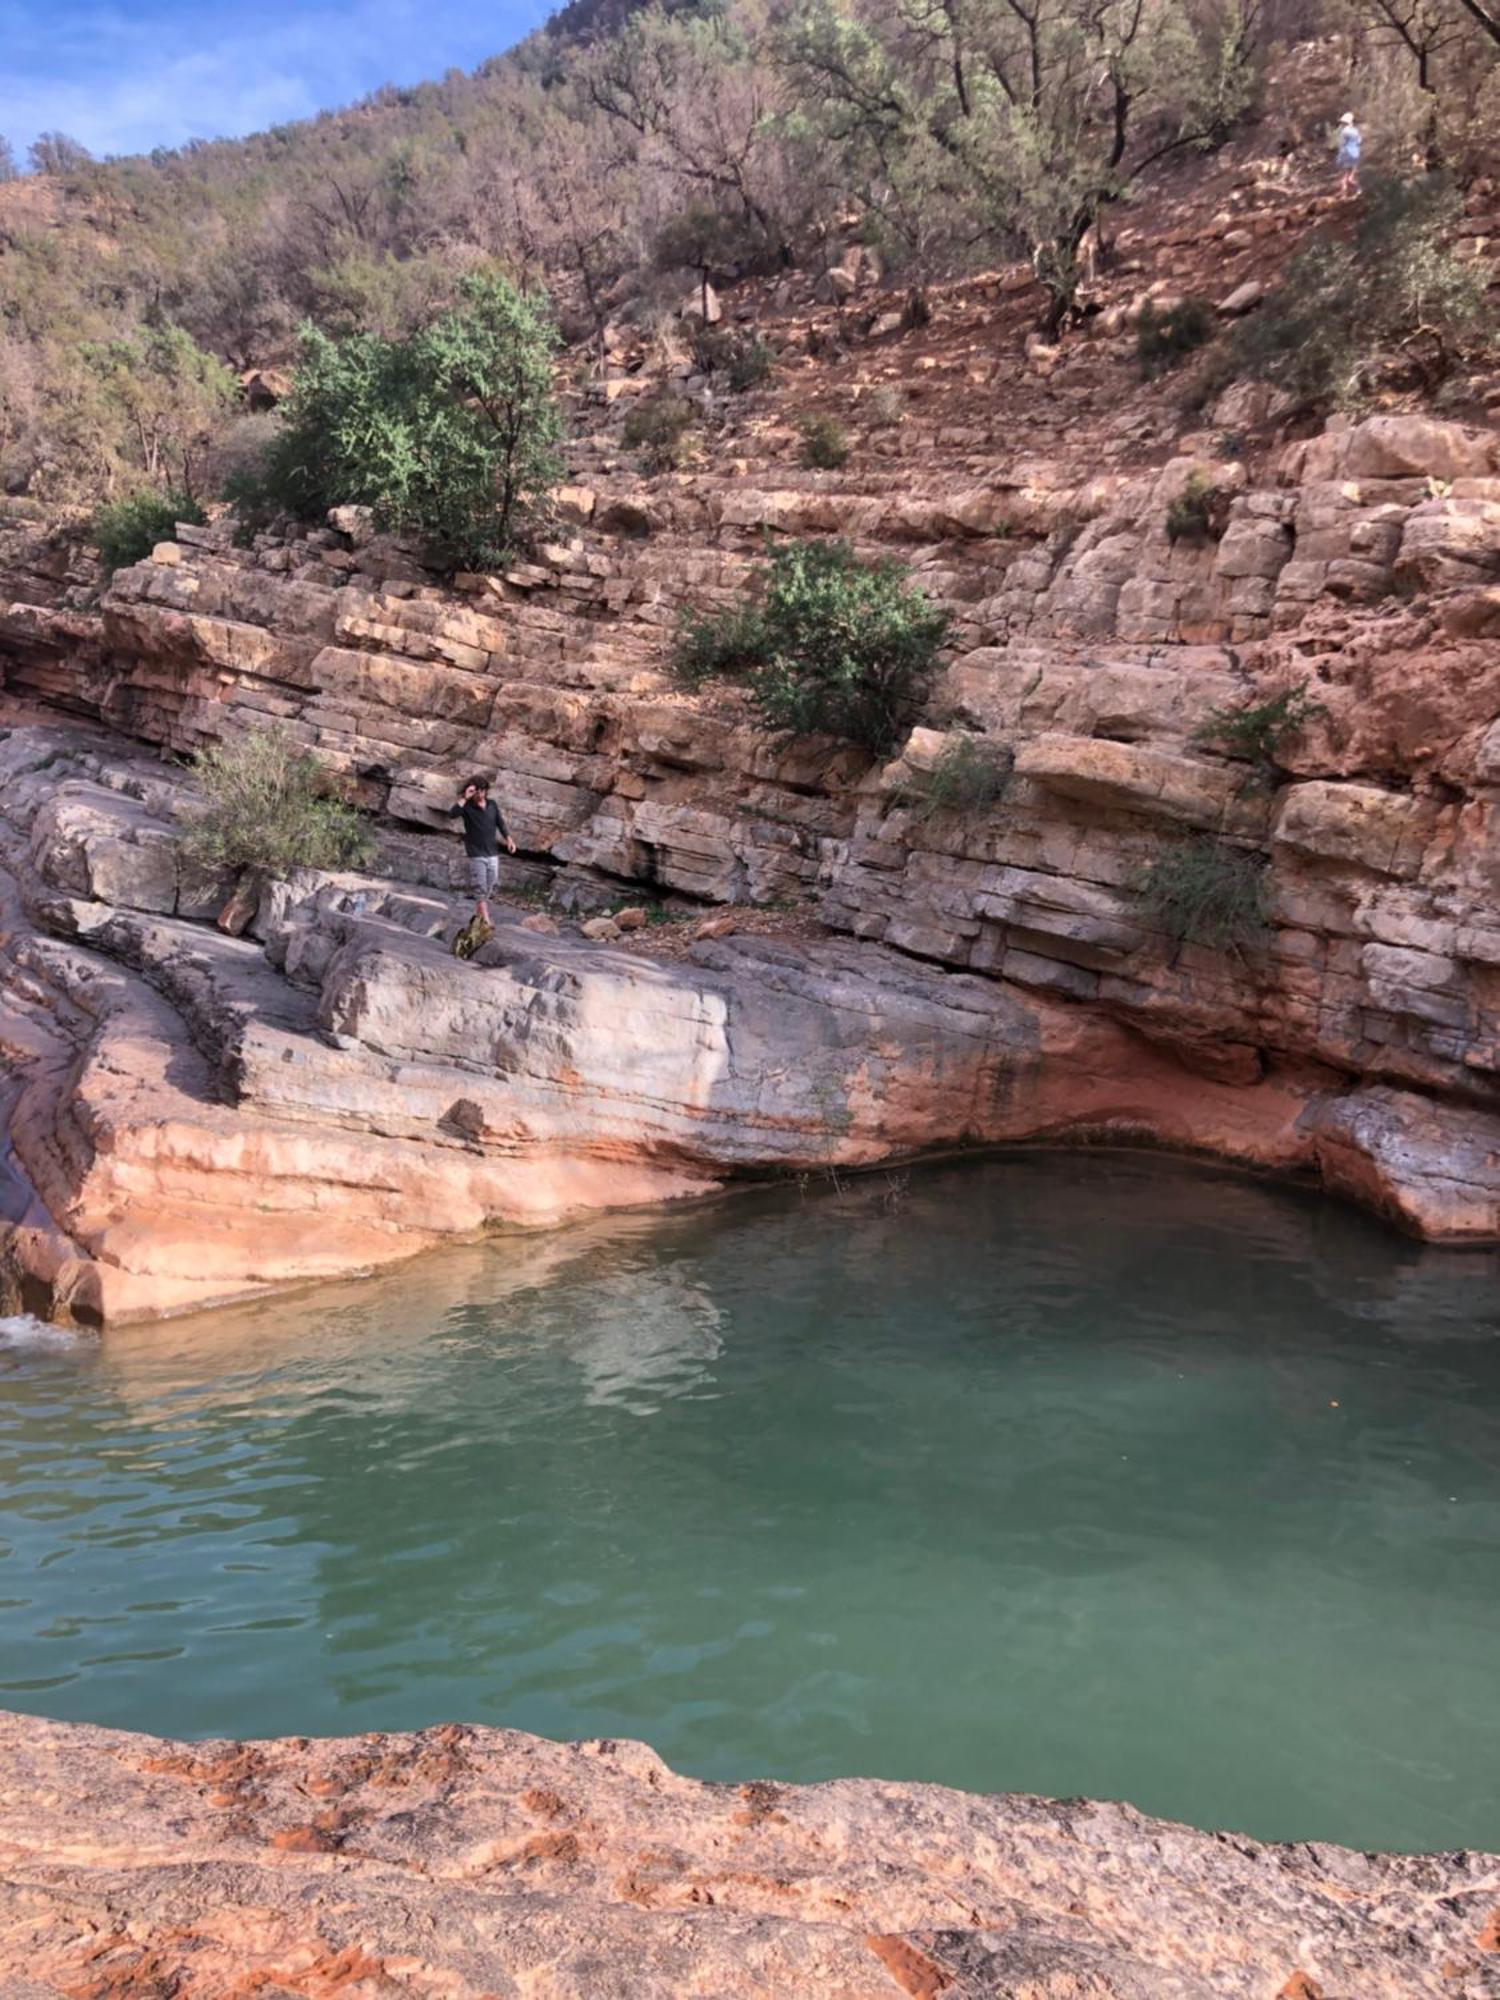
{"x":1350,"y":145}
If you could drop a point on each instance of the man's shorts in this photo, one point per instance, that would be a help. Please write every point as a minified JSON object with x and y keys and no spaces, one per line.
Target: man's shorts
{"x":484,"y":873}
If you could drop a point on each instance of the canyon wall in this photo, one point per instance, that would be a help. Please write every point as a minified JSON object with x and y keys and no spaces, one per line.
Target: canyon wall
{"x":849,"y":974}
{"x":999,"y":978}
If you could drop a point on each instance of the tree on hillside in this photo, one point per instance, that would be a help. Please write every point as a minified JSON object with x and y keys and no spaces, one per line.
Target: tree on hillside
{"x":1484,"y":16}
{"x":1431,"y":94}
{"x":450,"y":433}
{"x":700,"y":107}
{"x":567,"y":211}
{"x":57,"y":153}
{"x":1017,"y":121}
{"x":163,"y":398}
{"x":9,"y":169}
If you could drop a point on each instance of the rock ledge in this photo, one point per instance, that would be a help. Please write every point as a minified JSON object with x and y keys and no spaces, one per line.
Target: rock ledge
{"x":471,"y":1864}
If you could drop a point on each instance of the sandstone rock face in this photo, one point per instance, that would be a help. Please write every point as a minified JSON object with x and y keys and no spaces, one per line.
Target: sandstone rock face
{"x":1005,"y":959}
{"x":474,"y":1863}
{"x":195,"y":1116}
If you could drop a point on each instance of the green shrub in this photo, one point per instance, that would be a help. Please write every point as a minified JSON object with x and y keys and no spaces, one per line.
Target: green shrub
{"x":658,"y":427}
{"x":269,"y":805}
{"x":448,"y":434}
{"x":714,"y":645}
{"x":1163,"y":339}
{"x":126,"y":531}
{"x":825,"y":445}
{"x":1396,"y":290}
{"x":1197,"y":514}
{"x":1257,"y":730}
{"x":836,"y":645}
{"x":970,"y":777}
{"x":1200,"y":890}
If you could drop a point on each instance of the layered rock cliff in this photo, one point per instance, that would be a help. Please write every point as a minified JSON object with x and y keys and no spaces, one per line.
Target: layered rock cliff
{"x":332,"y":1090}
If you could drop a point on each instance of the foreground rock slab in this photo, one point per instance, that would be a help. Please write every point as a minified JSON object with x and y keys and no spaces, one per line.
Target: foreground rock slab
{"x":481,"y":1864}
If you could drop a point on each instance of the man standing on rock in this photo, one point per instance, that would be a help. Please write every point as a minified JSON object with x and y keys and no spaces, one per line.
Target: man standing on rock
{"x":484,"y":830}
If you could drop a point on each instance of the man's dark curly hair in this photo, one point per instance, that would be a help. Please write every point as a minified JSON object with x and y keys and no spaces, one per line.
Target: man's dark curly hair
{"x":480,"y":783}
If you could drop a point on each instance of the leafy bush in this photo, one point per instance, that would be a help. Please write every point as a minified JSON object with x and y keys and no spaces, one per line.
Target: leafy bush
{"x":969,"y":777}
{"x":658,"y":428}
{"x":1197,"y":514}
{"x":714,"y":645}
{"x":825,"y":445}
{"x":837,"y":645}
{"x":126,"y":531}
{"x":449,"y":434}
{"x":1200,"y":890}
{"x":1257,"y":731}
{"x":1396,"y":288}
{"x":268,"y":805}
{"x":1162,"y":339}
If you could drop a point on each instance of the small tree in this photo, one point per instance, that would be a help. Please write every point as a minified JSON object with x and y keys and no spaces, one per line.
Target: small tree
{"x":1198,"y":513}
{"x":825,"y":444}
{"x":450,"y":434}
{"x":9,"y":167}
{"x":58,"y":153}
{"x":658,"y":427}
{"x":269,"y":807}
{"x":1162,"y":339}
{"x":163,"y":398}
{"x":837,"y":645}
{"x":1258,"y":730}
{"x":486,"y":416}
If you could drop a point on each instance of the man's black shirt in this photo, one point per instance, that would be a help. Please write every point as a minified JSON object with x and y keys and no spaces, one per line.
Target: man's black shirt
{"x":484,"y":829}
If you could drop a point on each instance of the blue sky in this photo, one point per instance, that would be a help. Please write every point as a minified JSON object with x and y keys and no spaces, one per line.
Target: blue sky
{"x":128,"y":76}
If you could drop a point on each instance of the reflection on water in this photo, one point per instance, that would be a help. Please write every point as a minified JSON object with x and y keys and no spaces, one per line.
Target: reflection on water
{"x":1101,"y":1475}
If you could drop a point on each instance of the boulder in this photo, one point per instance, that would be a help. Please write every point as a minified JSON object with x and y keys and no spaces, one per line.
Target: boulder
{"x":1449,"y":542}
{"x":1356,"y":826}
{"x":1401,"y":447}
{"x":1244,"y":298}
{"x":702,"y":303}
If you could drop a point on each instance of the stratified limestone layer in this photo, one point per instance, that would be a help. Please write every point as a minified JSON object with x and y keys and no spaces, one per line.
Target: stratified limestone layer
{"x":191,"y":1117}
{"x":482,"y":1864}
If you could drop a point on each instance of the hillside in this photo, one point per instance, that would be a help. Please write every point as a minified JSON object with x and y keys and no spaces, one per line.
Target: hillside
{"x":621,"y":155}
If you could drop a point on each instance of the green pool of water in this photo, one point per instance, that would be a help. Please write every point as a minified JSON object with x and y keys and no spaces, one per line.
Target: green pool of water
{"x":1099,"y":1475}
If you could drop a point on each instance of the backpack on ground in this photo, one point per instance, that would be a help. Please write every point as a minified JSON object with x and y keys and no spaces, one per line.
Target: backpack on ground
{"x":476,"y":932}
